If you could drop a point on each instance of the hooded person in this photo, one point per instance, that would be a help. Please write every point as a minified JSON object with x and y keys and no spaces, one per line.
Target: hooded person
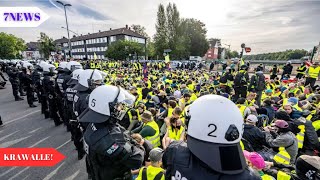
{"x":212,"y":150}
{"x":111,"y":151}
{"x":307,"y":167}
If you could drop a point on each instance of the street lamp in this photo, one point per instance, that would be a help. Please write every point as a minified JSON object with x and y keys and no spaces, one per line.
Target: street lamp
{"x":65,"y":14}
{"x":70,"y":31}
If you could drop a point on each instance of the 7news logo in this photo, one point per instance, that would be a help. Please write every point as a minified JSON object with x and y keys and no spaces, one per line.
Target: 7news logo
{"x":25,"y":16}
{"x":22,"y":16}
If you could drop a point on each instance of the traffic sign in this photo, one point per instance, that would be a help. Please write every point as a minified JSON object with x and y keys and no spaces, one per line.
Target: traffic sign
{"x":247,"y":49}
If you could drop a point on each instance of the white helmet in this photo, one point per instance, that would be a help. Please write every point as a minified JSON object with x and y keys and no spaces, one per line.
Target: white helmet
{"x":75,"y":77}
{"x":87,"y":79}
{"x":103,"y":103}
{"x":214,"y":133}
{"x":49,"y":68}
{"x":42,"y":64}
{"x":72,"y":65}
{"x":27,"y":65}
{"x":63,"y":65}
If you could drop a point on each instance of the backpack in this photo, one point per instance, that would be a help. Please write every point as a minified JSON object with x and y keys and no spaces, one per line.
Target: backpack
{"x":224,"y":78}
{"x":240,"y":79}
{"x":260,"y":83}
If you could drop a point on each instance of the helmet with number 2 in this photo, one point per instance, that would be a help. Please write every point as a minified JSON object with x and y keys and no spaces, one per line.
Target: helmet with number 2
{"x":214,"y":132}
{"x":103,"y":103}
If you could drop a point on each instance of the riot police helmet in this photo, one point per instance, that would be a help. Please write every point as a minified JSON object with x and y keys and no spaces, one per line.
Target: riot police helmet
{"x":89,"y":79}
{"x":103,"y":104}
{"x":75,"y":77}
{"x":73,"y":65}
{"x":215,"y":140}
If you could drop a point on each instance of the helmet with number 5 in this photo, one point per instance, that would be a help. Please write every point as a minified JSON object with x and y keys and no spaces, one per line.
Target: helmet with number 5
{"x":103,"y":103}
{"x":214,"y":132}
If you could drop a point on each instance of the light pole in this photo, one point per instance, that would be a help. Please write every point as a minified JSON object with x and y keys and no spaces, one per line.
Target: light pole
{"x":70,"y":31}
{"x":65,"y":14}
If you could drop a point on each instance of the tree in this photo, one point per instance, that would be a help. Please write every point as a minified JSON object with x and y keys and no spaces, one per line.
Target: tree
{"x":284,"y":55}
{"x":140,"y":30}
{"x":161,"y":38}
{"x":194,"y":32}
{"x":46,"y":45}
{"x":11,"y":46}
{"x":121,"y":50}
{"x":151,"y":52}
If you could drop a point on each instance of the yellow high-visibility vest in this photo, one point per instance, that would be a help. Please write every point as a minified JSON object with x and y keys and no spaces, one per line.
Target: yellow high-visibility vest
{"x":242,"y":108}
{"x":170,"y":110}
{"x":283,"y":176}
{"x":301,"y":68}
{"x":282,"y":157}
{"x":155,"y":139}
{"x":313,"y":72}
{"x":300,"y":136}
{"x":266,"y":177}
{"x":92,"y":65}
{"x":151,"y":173}
{"x":56,"y":64}
{"x":175,"y":135}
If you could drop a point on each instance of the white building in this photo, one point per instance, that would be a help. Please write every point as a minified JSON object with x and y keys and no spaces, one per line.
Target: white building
{"x":32,"y":51}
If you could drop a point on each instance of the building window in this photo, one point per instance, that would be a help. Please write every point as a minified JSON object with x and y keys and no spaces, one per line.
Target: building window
{"x":113,"y":38}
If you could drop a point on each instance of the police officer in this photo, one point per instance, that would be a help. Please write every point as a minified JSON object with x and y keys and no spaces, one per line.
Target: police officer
{"x":28,"y":83}
{"x":70,"y":116}
{"x":111,"y":151}
{"x":61,"y":86}
{"x":88,"y":80}
{"x":35,"y":76}
{"x":14,"y":80}
{"x":50,"y":96}
{"x":212,"y":150}
{"x":241,"y":80}
{"x":43,"y":95}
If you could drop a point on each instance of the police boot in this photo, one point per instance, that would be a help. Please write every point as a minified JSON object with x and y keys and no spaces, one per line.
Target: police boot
{"x":32,"y":106}
{"x":81,"y":154}
{"x":46,"y":115}
{"x":19,"y":99}
{"x":57,"y":122}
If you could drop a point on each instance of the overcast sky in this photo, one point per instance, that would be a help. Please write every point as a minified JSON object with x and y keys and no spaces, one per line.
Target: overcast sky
{"x":264,"y":25}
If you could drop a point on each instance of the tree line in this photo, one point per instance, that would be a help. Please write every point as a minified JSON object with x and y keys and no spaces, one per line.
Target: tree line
{"x":283,"y":55}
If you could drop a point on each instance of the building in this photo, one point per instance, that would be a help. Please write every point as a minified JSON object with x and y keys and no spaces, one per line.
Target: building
{"x":213,"y":50}
{"x":84,"y":46}
{"x":32,"y":51}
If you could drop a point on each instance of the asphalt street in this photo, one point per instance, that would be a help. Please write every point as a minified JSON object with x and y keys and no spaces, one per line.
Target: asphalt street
{"x":26,"y":127}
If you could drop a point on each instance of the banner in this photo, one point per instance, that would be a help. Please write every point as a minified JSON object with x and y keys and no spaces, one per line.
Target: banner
{"x":30,"y":157}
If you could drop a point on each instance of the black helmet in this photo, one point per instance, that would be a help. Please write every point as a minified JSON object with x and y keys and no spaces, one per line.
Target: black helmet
{"x":243,"y":67}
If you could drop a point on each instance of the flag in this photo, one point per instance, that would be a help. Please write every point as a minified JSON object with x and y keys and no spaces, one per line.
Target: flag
{"x":94,"y":56}
{"x":145,"y":72}
{"x":167,"y":59}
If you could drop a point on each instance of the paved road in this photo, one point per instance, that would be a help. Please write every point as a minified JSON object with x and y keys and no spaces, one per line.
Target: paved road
{"x":26,"y":127}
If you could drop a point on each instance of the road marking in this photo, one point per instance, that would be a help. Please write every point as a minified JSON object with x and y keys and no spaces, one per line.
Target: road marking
{"x":21,"y":117}
{"x":35,"y":144}
{"x":73,"y":176}
{"x":10,"y":143}
{"x":34,"y":130}
{"x":63,"y":144}
{"x":20,"y":172}
{"x":26,"y":177}
{"x":49,"y":176}
{"x":4,"y":137}
{"x":7,"y":171}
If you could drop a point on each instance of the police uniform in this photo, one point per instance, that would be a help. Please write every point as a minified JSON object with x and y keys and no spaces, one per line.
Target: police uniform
{"x":28,"y":85}
{"x":35,"y":76}
{"x":181,"y":164}
{"x":49,"y":95}
{"x":60,"y":86}
{"x":14,"y":80}
{"x":111,"y":152}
